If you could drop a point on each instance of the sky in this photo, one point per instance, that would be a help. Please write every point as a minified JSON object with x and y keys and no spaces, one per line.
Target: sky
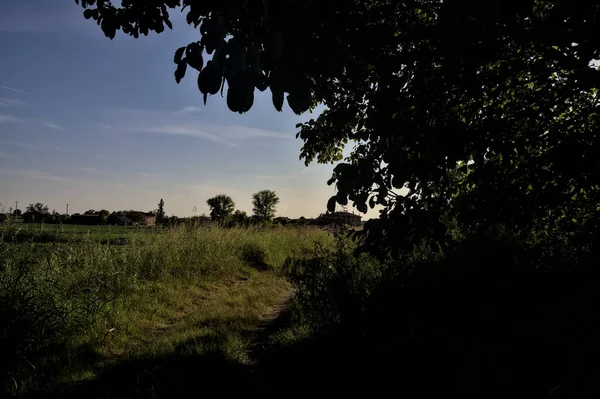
{"x":99,"y":124}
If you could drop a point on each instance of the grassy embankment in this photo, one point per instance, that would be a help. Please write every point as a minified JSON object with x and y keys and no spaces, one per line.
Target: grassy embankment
{"x":75,"y":304}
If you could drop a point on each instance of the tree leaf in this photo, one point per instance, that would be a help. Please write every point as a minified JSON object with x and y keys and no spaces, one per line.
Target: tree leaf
{"x":278,"y":97}
{"x":331,"y":204}
{"x":178,"y":55}
{"x":342,"y":198}
{"x":274,"y":44}
{"x":180,"y":71}
{"x":193,"y":54}
{"x":88,"y":13}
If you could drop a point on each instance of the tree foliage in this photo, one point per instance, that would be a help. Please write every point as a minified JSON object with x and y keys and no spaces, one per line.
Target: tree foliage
{"x":221,"y":207}
{"x":240,"y":218}
{"x":160,"y":213}
{"x":264,"y":204}
{"x":477,"y":110}
{"x":36,"y":213}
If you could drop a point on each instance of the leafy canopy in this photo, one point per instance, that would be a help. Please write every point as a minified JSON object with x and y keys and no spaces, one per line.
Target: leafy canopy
{"x":486,"y":109}
{"x":38,"y":208}
{"x":221,"y":207}
{"x":36,"y":213}
{"x":265,"y":204}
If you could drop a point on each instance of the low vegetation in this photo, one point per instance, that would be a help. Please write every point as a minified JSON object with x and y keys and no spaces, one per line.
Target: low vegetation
{"x":78,"y":301}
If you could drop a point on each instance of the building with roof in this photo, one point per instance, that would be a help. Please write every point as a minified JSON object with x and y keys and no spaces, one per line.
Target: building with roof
{"x":343,"y":218}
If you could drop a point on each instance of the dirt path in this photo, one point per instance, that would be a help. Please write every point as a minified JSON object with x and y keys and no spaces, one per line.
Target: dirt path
{"x":267,"y":325}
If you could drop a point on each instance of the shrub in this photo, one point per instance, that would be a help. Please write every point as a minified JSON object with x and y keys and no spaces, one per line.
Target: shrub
{"x":51,"y":297}
{"x":32,"y":317}
{"x":255,"y":256}
{"x":335,"y":286}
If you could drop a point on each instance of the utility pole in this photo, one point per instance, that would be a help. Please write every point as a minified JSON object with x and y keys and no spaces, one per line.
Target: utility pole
{"x":67,"y":209}
{"x":16,"y":205}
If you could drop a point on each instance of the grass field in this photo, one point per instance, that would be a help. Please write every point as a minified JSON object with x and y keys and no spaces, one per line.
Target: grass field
{"x":76,"y":305}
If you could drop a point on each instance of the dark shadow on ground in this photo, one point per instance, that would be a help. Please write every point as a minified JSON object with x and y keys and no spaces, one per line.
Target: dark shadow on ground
{"x":177,"y":375}
{"x":473,"y":333}
{"x":447,"y":337}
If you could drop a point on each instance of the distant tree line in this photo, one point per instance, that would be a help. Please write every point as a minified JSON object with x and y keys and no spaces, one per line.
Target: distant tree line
{"x":222,"y":211}
{"x":40,"y":213}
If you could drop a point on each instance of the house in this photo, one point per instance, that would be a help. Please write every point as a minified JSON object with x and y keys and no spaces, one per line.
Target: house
{"x":345,"y":218}
{"x":150,"y":219}
{"x":131,"y":218}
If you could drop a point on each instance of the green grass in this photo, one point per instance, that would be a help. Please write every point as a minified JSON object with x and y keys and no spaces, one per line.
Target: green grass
{"x":24,"y":232}
{"x":76,"y":305}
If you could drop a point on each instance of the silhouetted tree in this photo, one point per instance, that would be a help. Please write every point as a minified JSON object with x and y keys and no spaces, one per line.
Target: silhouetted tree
{"x":429,"y":88}
{"x":36,"y":213}
{"x":264,"y":204}
{"x":240,"y":218}
{"x":468,"y":114}
{"x":173,"y":220}
{"x":160,"y":213}
{"x":136,"y":216}
{"x":221,"y":207}
{"x":104,"y":214}
{"x":56,"y":218}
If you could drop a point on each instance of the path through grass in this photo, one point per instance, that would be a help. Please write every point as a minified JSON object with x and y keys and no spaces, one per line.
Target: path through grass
{"x":159,"y":302}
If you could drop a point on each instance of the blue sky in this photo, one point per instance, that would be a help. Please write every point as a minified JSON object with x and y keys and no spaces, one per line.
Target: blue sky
{"x":102,"y":124}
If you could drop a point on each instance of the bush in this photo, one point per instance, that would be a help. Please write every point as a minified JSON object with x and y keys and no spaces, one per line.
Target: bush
{"x":32,"y":319}
{"x":51,"y":297}
{"x":335,"y":286}
{"x":254,"y":256}
{"x":500,"y":308}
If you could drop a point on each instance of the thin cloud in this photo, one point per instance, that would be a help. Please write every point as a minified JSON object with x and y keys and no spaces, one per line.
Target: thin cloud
{"x":9,"y":119}
{"x":11,"y":102}
{"x":13,"y":89}
{"x":54,"y":126}
{"x":187,"y":131}
{"x":226,"y":135}
{"x":189,"y":110}
{"x":45,"y":146}
{"x":39,"y":175}
{"x":243,"y":132}
{"x":29,"y":17}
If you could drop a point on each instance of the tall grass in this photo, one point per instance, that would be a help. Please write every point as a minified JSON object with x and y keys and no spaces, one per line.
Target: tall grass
{"x":76,"y":301}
